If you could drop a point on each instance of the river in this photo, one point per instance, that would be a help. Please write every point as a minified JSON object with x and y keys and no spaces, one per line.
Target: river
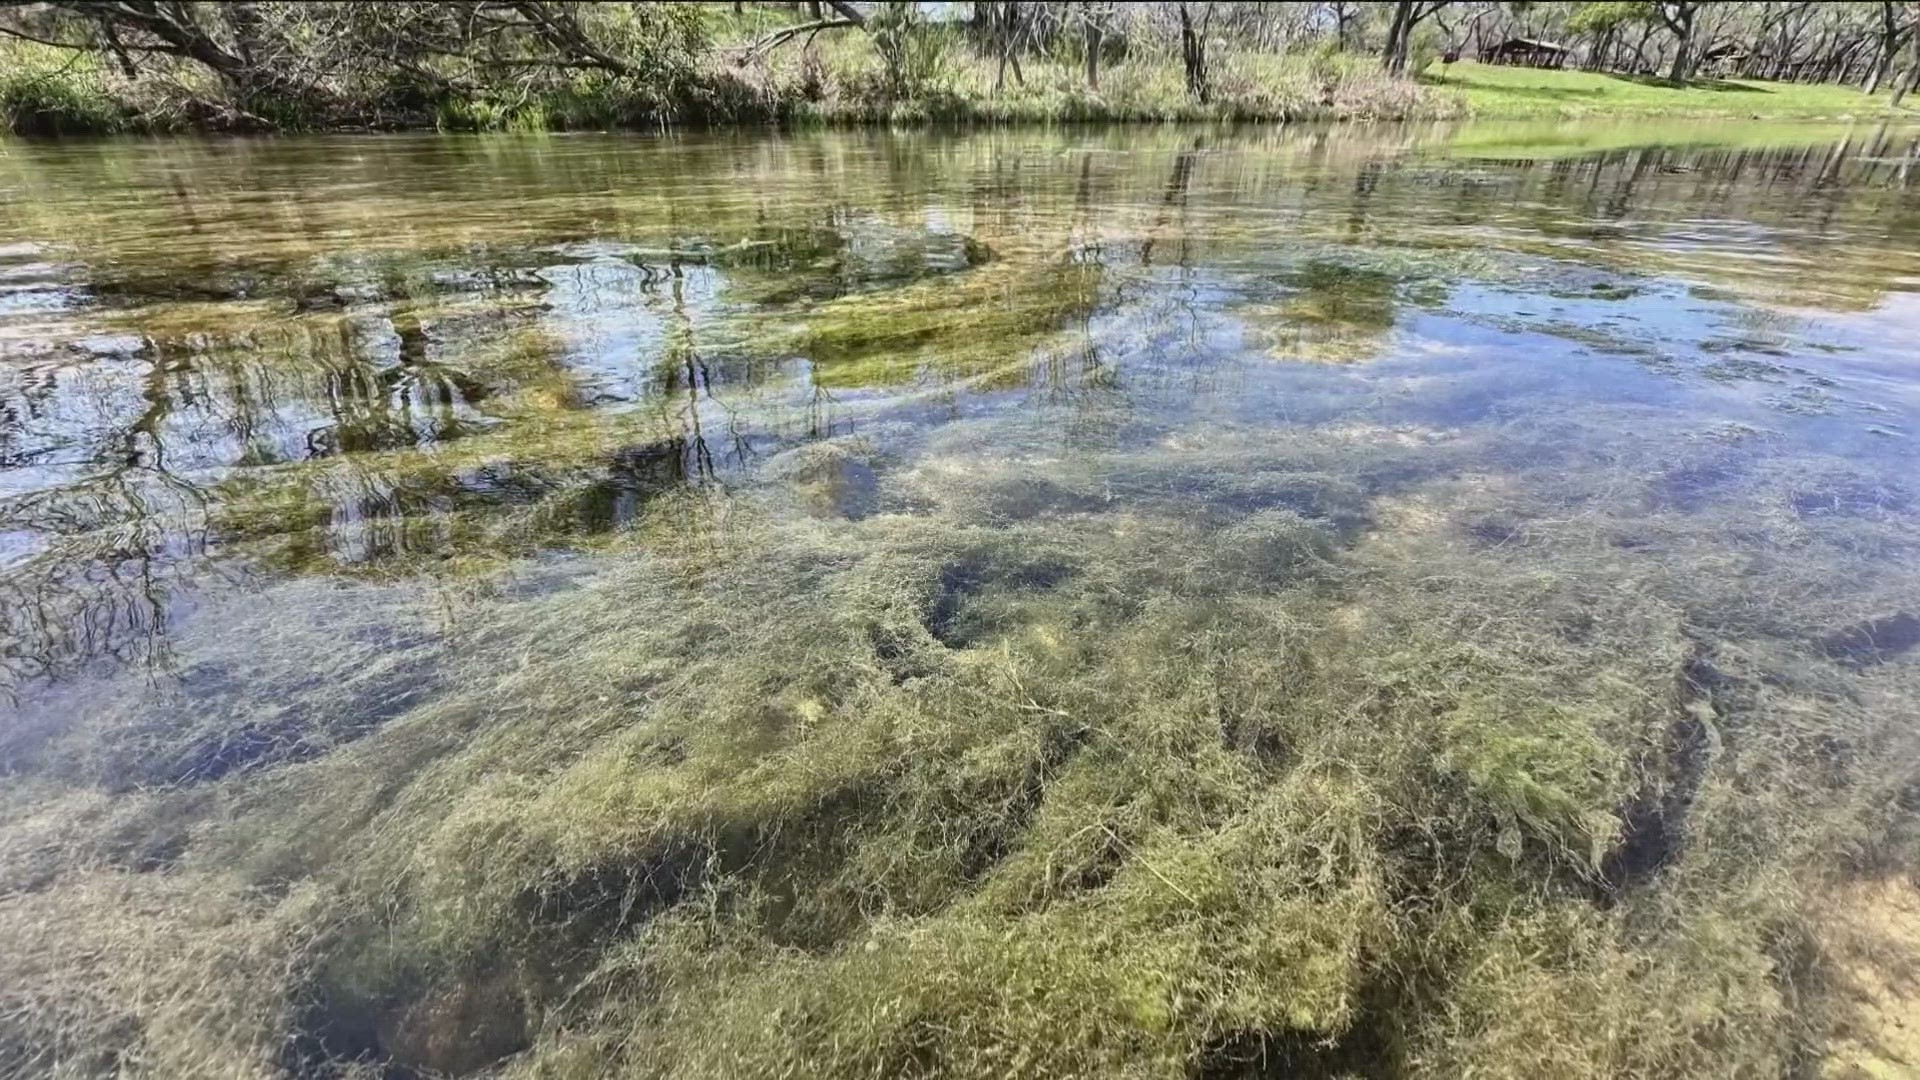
{"x":974,"y":528}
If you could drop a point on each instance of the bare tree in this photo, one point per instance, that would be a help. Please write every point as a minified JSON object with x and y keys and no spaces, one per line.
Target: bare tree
{"x":1893,"y":31}
{"x":1093,"y":21}
{"x":1407,"y":14}
{"x":150,"y":27}
{"x":1193,"y":49}
{"x":1913,"y":73}
{"x":1005,"y":23}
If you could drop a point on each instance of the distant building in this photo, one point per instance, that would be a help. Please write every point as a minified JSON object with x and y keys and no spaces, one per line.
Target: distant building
{"x":1526,"y":52}
{"x":1729,"y":59}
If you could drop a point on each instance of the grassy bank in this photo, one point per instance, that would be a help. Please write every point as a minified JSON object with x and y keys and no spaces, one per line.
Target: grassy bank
{"x":1491,"y":91}
{"x":841,"y":79}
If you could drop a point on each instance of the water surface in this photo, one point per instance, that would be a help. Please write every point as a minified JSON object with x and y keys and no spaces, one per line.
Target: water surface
{"x":228,"y":363}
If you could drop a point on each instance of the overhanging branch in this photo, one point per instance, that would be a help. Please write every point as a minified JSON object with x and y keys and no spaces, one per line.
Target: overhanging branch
{"x":786,"y":34}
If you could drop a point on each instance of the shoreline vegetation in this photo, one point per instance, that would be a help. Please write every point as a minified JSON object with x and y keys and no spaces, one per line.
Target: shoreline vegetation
{"x":70,"y":70}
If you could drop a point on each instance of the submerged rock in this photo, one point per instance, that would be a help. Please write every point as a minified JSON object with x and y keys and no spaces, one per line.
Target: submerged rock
{"x":1875,"y":641}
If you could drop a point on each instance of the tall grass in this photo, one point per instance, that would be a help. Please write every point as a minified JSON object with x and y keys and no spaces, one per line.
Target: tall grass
{"x":840,"y":78}
{"x":837,"y":80}
{"x":49,"y":92}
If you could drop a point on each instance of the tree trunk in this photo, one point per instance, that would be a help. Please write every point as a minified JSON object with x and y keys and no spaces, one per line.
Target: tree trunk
{"x":1677,"y":16}
{"x":1193,"y":50}
{"x":1093,"y":49}
{"x":1393,"y":58}
{"x":174,"y":24}
{"x":997,"y":24}
{"x":848,"y":12}
{"x":120,"y":54}
{"x":1006,"y":31}
{"x":1682,"y":47}
{"x":1889,"y":45}
{"x":1014,"y":30}
{"x":243,"y":21}
{"x":1839,"y":66}
{"x":1912,"y":80}
{"x":1913,"y":76}
{"x":1640,"y":62}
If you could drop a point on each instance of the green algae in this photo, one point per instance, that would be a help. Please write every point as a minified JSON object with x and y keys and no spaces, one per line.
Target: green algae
{"x":984,"y":322}
{"x":751,"y":804}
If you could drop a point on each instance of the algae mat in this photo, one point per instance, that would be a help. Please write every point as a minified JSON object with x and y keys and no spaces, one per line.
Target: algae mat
{"x":1384,"y":601}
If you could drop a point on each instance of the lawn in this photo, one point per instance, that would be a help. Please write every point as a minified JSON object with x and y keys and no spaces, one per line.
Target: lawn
{"x":1518,"y":91}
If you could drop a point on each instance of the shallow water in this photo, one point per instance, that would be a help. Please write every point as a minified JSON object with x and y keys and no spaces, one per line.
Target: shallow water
{"x":227,"y":363}
{"x":304,"y":442}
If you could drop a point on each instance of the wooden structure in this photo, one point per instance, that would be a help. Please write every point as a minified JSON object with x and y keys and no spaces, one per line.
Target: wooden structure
{"x":1526,"y":52}
{"x":1730,"y":59}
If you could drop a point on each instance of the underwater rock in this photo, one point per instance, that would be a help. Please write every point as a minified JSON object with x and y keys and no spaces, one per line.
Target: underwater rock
{"x":460,"y":1030}
{"x":1654,"y":824}
{"x":1875,"y":641}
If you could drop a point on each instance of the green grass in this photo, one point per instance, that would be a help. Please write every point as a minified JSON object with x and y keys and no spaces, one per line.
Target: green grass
{"x":1518,"y":91}
{"x":47,"y":93}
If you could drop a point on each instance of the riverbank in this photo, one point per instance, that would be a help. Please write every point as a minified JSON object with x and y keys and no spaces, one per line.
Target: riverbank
{"x":47,"y":93}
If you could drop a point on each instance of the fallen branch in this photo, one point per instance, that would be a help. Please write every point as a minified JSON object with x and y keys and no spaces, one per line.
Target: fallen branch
{"x":785,"y":34}
{"x":559,"y":28}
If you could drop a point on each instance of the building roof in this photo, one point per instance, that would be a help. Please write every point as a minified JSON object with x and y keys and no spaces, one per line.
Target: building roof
{"x":1530,"y":45}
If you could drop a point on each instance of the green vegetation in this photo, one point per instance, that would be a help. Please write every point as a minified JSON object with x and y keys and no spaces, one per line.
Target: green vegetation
{"x":1494,"y":91}
{"x":965,"y":86}
{"x":532,"y":65}
{"x":47,"y":93}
